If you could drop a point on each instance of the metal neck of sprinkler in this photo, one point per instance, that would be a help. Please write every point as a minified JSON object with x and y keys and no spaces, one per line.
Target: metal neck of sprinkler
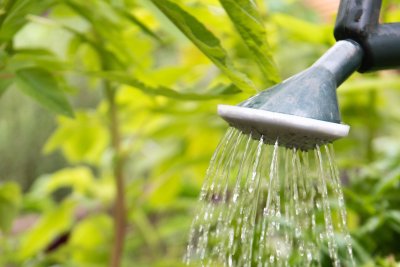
{"x":341,"y":60}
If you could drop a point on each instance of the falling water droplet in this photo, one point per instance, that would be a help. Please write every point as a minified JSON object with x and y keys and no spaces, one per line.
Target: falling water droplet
{"x":261,"y":207}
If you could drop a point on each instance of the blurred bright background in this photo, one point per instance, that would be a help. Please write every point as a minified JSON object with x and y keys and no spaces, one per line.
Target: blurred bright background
{"x":144,"y":99}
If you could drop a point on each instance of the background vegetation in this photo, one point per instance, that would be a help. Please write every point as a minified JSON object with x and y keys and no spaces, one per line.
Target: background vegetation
{"x":135,"y":84}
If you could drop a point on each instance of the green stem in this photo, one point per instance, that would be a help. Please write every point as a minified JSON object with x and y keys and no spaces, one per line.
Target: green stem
{"x":372,"y":125}
{"x":118,"y":164}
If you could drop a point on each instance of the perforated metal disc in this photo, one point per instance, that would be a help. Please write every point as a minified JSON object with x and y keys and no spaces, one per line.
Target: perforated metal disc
{"x":291,"y":131}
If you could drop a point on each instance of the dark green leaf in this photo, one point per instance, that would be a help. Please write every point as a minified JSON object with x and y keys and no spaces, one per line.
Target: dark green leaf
{"x":205,"y":41}
{"x":15,"y":14}
{"x":370,"y":226}
{"x":42,"y":86}
{"x":248,"y":22}
{"x":387,"y":182}
{"x":215,"y":92}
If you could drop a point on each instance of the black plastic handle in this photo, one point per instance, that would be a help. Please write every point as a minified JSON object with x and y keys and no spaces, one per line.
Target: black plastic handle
{"x":358,"y":20}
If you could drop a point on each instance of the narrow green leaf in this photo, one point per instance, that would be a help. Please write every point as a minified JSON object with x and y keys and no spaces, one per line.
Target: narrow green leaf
{"x":370,"y":225}
{"x":10,"y":198}
{"x":205,"y":40}
{"x":388,"y":181}
{"x":24,"y":58}
{"x":42,"y":86}
{"x":215,"y":92}
{"x":6,"y":76}
{"x":6,"y":79}
{"x":132,"y":18}
{"x":247,"y":21}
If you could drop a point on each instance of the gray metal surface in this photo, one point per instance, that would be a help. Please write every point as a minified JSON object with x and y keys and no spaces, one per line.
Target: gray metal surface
{"x":310,"y":94}
{"x":341,"y":60}
{"x":302,"y":111}
{"x":291,"y":131}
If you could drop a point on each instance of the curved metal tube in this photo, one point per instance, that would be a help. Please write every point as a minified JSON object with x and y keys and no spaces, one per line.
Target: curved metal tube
{"x":341,"y":60}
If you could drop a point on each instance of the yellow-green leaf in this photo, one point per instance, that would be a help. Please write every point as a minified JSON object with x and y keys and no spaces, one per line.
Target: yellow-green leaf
{"x":83,"y":139}
{"x":90,"y":241}
{"x":80,"y":179}
{"x":133,"y":19}
{"x":10,"y":198}
{"x":49,"y":226}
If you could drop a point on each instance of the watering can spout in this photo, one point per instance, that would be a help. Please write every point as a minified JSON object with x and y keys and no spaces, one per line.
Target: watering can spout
{"x":302,"y":111}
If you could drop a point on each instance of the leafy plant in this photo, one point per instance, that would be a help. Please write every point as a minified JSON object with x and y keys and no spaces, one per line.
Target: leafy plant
{"x":144,"y":78}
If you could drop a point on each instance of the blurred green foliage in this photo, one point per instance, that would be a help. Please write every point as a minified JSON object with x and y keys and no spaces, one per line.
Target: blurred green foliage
{"x":170,"y":63}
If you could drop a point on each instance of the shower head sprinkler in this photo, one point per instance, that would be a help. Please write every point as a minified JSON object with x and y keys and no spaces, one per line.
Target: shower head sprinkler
{"x":302,"y":111}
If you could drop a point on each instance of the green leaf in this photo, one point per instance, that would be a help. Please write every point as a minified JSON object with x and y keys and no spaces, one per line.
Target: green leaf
{"x":303,"y":30}
{"x":6,"y":76}
{"x":107,"y":40}
{"x":248,"y":22}
{"x":27,"y":58}
{"x":165,"y":191}
{"x":6,"y":79}
{"x":144,"y":227}
{"x":42,"y":86}
{"x":389,"y":181}
{"x":83,"y":139}
{"x":90,"y":241}
{"x":394,"y":217}
{"x":132,"y":18}
{"x":205,"y":40}
{"x":370,"y":225}
{"x":214,"y":93}
{"x":10,"y":198}
{"x":49,"y":226}
{"x":14,"y":17}
{"x":80,"y":179}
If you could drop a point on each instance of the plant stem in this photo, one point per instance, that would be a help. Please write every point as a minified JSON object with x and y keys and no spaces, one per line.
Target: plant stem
{"x":118,"y":164}
{"x":372,"y":117}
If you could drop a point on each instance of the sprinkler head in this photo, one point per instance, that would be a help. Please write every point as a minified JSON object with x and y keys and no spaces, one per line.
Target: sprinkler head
{"x":302,"y":111}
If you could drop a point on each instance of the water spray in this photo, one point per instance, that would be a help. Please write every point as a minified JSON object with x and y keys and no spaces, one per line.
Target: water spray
{"x":274,"y":205}
{"x":302,"y":111}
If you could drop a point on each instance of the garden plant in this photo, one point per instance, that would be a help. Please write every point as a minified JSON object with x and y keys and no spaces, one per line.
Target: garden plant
{"x":108,"y":122}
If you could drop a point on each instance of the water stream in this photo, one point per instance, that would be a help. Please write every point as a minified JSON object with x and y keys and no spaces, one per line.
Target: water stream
{"x":264,"y":205}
